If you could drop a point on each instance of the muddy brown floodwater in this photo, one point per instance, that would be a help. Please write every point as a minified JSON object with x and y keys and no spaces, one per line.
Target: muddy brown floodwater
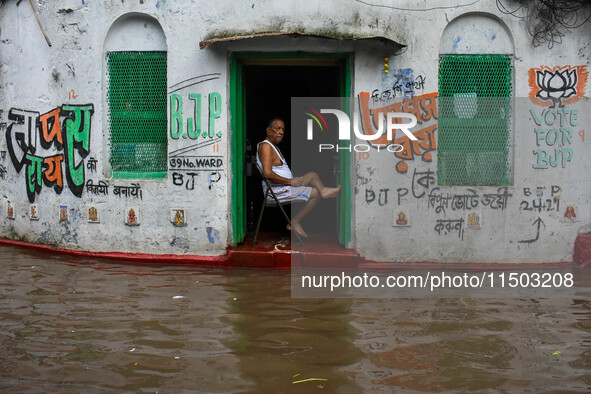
{"x":71,"y":325}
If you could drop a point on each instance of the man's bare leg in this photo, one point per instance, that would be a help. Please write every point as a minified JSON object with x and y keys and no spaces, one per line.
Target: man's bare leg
{"x":312,"y":179}
{"x":295,"y":221}
{"x":298,"y":229}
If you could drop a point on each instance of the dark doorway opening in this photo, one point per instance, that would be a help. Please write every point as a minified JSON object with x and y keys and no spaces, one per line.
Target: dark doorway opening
{"x":268,"y":90}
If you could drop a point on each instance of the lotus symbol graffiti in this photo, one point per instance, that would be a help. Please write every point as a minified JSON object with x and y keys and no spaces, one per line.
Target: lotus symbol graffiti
{"x":557,"y":85}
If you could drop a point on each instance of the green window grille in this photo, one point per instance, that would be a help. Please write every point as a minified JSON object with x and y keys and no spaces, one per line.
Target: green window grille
{"x":474,"y":120}
{"x":137,"y":114}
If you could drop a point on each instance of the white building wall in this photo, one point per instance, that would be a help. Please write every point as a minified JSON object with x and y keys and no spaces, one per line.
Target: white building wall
{"x":509,"y":232}
{"x":39,"y":78}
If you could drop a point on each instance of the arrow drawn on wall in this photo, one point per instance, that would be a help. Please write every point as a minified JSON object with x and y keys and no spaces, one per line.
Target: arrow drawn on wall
{"x":537,"y":223}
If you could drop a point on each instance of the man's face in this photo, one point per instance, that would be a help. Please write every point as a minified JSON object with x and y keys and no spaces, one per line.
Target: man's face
{"x":276,"y":131}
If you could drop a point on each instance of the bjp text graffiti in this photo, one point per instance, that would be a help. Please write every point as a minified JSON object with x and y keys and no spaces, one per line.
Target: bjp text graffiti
{"x":424,"y":185}
{"x":554,"y":137}
{"x":64,"y":133}
{"x":535,"y":199}
{"x":194,"y":128}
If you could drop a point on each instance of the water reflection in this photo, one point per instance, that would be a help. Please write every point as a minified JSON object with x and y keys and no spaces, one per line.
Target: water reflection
{"x":486,"y":345}
{"x":79,"y":326}
{"x":71,"y":325}
{"x":284,"y":340}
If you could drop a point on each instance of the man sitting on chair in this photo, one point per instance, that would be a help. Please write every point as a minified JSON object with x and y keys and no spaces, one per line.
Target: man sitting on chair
{"x":307,"y":188}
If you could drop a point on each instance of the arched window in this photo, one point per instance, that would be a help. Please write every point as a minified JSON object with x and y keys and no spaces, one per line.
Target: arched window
{"x":136,"y":97}
{"x":475,"y":90}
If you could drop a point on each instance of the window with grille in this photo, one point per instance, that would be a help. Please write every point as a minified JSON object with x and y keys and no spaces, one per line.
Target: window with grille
{"x":474,"y":120}
{"x":137,"y":108}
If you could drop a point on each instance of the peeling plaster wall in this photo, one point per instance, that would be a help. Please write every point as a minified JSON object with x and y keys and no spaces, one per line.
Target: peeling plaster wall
{"x":71,"y":75}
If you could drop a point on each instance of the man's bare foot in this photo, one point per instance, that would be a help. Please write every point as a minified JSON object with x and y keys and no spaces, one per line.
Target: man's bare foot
{"x":329,"y":192}
{"x":298,"y":228}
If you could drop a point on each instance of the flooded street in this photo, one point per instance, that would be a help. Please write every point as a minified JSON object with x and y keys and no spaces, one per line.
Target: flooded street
{"x":75,"y":325}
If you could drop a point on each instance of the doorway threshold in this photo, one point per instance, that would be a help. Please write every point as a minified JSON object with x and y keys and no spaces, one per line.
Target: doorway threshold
{"x":274,"y":250}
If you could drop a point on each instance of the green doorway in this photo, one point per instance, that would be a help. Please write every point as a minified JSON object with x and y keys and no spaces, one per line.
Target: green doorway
{"x":261,"y":86}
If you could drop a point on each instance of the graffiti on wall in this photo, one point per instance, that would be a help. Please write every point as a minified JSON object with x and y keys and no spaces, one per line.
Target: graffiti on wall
{"x":45,"y":144}
{"x":557,"y":86}
{"x":194,"y":127}
{"x":72,"y":94}
{"x":538,"y":200}
{"x":187,"y":179}
{"x":450,"y":226}
{"x":99,"y":188}
{"x":134,"y":190}
{"x":187,"y":163}
{"x":187,"y":114}
{"x":196,"y":163}
{"x":382,"y":196}
{"x":554,"y":136}
{"x":400,"y":83}
{"x":468,"y":202}
{"x":91,"y":164}
{"x":423,"y":107}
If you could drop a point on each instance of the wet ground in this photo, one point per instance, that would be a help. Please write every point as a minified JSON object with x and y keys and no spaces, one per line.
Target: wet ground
{"x":70,"y":325}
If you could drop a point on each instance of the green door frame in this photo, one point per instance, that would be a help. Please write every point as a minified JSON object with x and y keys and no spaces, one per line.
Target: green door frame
{"x":238,"y":139}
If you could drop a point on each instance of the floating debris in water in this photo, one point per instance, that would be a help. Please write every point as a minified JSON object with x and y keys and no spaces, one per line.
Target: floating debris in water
{"x":308,"y":380}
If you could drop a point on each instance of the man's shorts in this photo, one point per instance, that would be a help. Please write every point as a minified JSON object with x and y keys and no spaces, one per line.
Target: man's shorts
{"x":289,"y":194}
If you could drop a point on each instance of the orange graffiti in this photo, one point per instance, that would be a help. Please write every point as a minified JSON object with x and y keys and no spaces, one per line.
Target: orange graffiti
{"x":558,"y":85}
{"x":424,"y":107}
{"x":363,"y":155}
{"x":52,"y":117}
{"x":53,"y":173}
{"x":402,"y":167}
{"x":425,"y":142}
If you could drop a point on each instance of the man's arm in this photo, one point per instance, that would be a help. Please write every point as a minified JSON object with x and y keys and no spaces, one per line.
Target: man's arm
{"x":266,"y":153}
